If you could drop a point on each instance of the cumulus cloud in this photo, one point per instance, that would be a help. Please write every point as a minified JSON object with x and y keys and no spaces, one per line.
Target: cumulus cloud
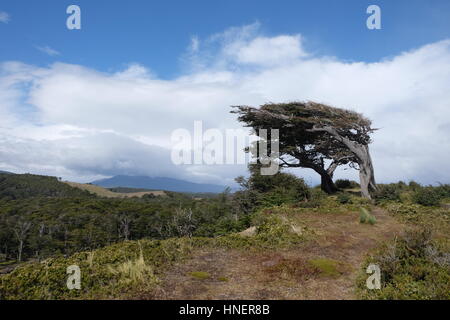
{"x":80,"y":123}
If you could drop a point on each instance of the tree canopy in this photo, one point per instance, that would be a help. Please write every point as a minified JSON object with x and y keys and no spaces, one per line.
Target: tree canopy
{"x":317,"y":136}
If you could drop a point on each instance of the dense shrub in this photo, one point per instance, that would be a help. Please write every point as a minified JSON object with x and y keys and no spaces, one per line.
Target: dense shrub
{"x":344,"y":198}
{"x":444,"y":190}
{"x":265,"y":184}
{"x":269,"y":190}
{"x":428,"y":196}
{"x":346,"y":184}
{"x":316,"y":199}
{"x":387,"y":192}
{"x":414,"y":186}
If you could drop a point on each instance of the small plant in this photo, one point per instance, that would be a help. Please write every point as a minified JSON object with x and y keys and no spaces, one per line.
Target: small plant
{"x":372,"y":220}
{"x":329,"y":267}
{"x":344,"y":198}
{"x":201,"y":275}
{"x":131,"y":271}
{"x":365,"y":216}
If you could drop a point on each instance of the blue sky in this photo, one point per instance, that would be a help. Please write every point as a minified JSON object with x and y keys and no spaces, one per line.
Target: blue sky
{"x":156,"y":33}
{"x":105,"y":100}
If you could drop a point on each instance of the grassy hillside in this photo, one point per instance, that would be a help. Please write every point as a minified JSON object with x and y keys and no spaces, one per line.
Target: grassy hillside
{"x":21,"y":186}
{"x":103,"y":192}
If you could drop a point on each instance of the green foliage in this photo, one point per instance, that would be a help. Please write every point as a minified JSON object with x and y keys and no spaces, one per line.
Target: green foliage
{"x":22,"y":186}
{"x":272,"y":183}
{"x":279,"y":196}
{"x":346,"y":184}
{"x":316,"y":199}
{"x":344,"y":198}
{"x":272,"y":190}
{"x":388,"y":192}
{"x":329,"y":267}
{"x":200,"y":275}
{"x":443,"y":190}
{"x":365,"y":216}
{"x":412,"y":267}
{"x":432,"y":218}
{"x":428,"y":196}
{"x":131,"y":267}
{"x":114,"y":271}
{"x":414,"y":186}
{"x":68,"y":225}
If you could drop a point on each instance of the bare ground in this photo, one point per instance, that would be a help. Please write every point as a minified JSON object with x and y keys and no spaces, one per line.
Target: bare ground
{"x":283,"y":274}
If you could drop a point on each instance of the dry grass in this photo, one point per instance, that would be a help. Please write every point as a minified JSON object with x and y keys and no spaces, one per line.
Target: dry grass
{"x":324,"y":267}
{"x":102,"y":192}
{"x":134,"y":271}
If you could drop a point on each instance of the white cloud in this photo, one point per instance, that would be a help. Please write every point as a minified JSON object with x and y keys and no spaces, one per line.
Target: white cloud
{"x":47,"y":50}
{"x":195,"y":44}
{"x":74,"y":121}
{"x":269,"y":51}
{"x":4,"y":17}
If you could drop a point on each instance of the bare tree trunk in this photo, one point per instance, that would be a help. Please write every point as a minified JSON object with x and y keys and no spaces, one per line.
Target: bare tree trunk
{"x":326,"y":180}
{"x":361,"y":152}
{"x":333,"y":166}
{"x":19,"y":249}
{"x":21,"y":231}
{"x":366,"y":174}
{"x":125,"y":227}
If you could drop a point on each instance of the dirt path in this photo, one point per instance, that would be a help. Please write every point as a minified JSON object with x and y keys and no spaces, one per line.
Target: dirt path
{"x":285,"y":274}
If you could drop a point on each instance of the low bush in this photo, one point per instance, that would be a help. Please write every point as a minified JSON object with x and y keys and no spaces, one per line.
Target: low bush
{"x":387,"y":192}
{"x":412,"y":267}
{"x":346,"y":184}
{"x":428,"y":196}
{"x":344,"y":198}
{"x":316,"y":199}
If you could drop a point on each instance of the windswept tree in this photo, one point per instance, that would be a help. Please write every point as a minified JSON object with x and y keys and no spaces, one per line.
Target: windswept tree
{"x":318,"y":137}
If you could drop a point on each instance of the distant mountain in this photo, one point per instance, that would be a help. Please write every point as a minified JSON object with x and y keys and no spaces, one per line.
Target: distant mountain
{"x":5,"y":172}
{"x":158,"y":183}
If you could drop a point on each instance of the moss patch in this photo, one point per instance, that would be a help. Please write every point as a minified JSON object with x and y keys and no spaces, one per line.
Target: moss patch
{"x":329,"y":267}
{"x":201,"y":275}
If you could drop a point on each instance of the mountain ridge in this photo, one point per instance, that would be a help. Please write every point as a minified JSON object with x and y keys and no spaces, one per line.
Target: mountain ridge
{"x":158,"y":183}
